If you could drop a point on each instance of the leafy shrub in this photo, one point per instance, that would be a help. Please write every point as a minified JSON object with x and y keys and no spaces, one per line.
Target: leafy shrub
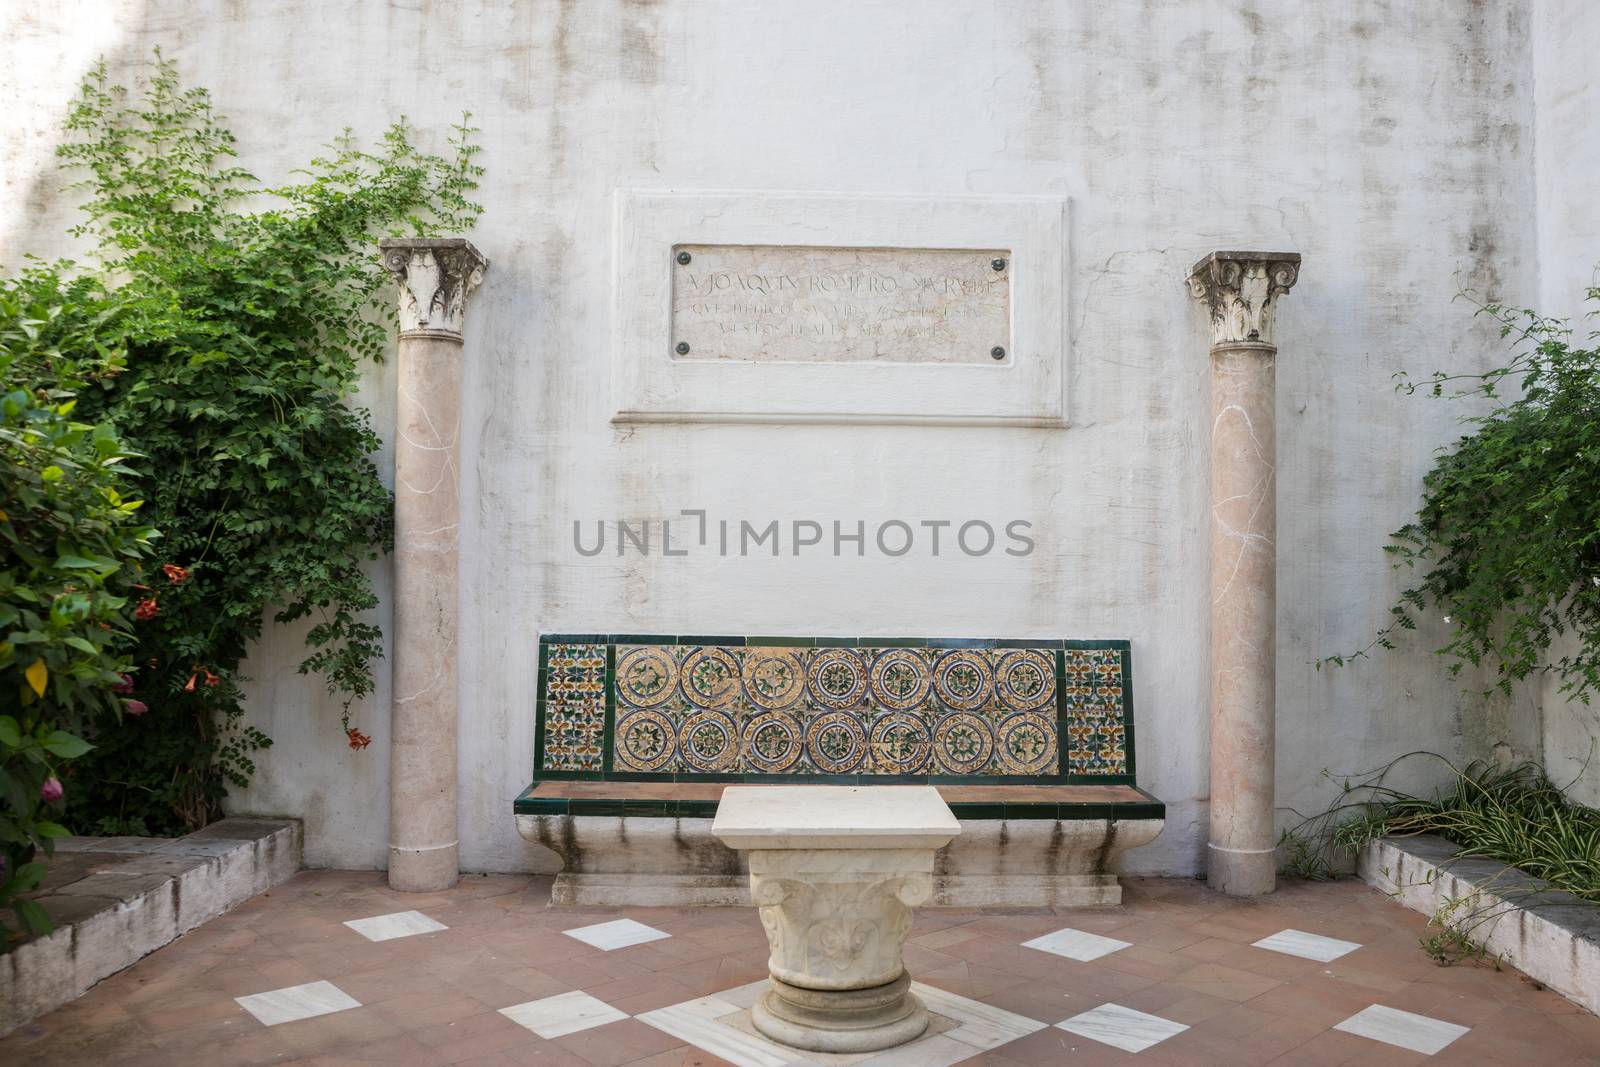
{"x":244,"y":330}
{"x":1508,"y":534}
{"x":70,"y":552}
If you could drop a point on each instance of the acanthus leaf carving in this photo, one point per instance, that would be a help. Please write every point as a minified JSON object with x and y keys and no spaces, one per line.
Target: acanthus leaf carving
{"x":1241,"y":291}
{"x":436,"y":275}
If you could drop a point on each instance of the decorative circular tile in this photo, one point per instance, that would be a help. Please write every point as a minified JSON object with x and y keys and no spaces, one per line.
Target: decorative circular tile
{"x":772,"y":742}
{"x":1027,"y":743}
{"x":709,"y":741}
{"x":962,"y":679}
{"x":837,"y":678}
{"x":711,"y":677}
{"x":963,"y":743}
{"x":647,"y":675}
{"x":901,"y":744}
{"x":772,"y":677}
{"x":900,"y":679}
{"x":1027,"y":679}
{"x":836,"y":742}
{"x":645,"y":740}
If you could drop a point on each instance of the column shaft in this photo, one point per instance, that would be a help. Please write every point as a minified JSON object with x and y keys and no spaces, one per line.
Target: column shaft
{"x":1243,"y":618}
{"x":422,"y":768}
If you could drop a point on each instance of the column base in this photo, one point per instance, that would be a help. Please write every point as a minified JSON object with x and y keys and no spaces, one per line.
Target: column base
{"x":841,"y":1020}
{"x":424,"y":870}
{"x":1241,"y":872}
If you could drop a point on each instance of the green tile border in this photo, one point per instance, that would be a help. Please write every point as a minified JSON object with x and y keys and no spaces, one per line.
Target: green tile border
{"x":622,"y":807}
{"x":538,"y":727}
{"x":1127,"y":709}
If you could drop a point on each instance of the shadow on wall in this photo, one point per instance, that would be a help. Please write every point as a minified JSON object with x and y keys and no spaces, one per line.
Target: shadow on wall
{"x":1571,"y":735}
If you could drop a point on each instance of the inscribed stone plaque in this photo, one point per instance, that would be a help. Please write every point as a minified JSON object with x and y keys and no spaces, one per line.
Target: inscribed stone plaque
{"x":788,"y":304}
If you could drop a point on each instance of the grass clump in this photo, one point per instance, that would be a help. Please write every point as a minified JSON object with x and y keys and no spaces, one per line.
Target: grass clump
{"x":1514,"y":815}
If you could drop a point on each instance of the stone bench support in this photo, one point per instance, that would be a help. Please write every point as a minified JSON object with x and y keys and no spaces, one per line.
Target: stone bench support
{"x":646,"y":861}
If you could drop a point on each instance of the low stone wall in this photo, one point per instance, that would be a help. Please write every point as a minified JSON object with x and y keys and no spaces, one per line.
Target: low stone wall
{"x":115,"y":899}
{"x":1549,"y":936}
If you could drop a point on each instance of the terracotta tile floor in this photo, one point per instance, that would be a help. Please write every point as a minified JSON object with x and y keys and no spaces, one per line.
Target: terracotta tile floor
{"x":435,"y":998}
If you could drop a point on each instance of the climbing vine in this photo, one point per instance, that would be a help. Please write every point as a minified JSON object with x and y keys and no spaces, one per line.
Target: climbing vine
{"x":1507,"y":538}
{"x":241,"y":315}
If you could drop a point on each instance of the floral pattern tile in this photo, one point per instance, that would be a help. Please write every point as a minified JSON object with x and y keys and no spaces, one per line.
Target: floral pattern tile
{"x":574,"y":691}
{"x":1095,"y":711}
{"x":800,"y":710}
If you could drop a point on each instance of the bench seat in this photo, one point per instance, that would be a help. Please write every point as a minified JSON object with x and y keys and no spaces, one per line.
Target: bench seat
{"x":698,"y":800}
{"x":1029,"y":742}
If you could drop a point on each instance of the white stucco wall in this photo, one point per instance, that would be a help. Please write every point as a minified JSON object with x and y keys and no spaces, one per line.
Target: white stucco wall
{"x":1389,"y":142}
{"x":1566,"y":85}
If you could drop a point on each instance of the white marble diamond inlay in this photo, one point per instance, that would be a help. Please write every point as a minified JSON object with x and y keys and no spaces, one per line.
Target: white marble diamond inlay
{"x":1402,"y":1028}
{"x":982,"y":1025}
{"x":297,"y":1002}
{"x":398,"y":924}
{"x":1076,"y":944}
{"x":720,"y":1025}
{"x":618,"y":934}
{"x":1124,"y":1028}
{"x":565,"y":1013}
{"x":1307,"y":946}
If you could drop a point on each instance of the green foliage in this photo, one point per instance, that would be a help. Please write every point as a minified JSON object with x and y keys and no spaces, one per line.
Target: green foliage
{"x":1451,"y":942}
{"x":1513,"y":815}
{"x":243,"y":315}
{"x":1305,"y":858}
{"x":1508,"y":534}
{"x":70,"y":552}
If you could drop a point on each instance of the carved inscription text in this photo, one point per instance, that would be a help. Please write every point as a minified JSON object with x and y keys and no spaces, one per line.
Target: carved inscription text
{"x":781,"y":304}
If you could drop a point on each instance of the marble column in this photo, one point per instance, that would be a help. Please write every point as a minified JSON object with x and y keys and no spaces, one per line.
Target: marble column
{"x":435,"y":276}
{"x":1241,"y":290}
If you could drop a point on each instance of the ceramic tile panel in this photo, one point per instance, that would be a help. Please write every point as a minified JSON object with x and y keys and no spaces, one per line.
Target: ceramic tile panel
{"x":574,"y":692}
{"x":1094,"y":706}
{"x":817,"y":707}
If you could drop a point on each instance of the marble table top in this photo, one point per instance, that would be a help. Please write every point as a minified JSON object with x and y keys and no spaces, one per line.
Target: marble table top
{"x":780,"y":817}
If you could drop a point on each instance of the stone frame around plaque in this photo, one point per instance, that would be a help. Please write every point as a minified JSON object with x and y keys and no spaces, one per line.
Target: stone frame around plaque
{"x":1027,"y":388}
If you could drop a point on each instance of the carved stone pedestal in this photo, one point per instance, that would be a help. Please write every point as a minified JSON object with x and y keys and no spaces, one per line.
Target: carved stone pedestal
{"x":836,"y":871}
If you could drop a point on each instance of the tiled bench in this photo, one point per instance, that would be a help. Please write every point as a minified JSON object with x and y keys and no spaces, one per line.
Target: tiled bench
{"x":1030,"y":743}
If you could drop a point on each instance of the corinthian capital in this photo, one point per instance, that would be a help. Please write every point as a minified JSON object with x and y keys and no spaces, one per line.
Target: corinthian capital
{"x":435,"y":275}
{"x":1241,"y":291}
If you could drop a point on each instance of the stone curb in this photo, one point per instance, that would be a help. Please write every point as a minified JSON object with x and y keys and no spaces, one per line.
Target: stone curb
{"x":1549,"y":936}
{"x":166,"y":887}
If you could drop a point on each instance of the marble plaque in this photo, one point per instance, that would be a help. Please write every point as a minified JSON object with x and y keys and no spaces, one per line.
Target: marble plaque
{"x":791,"y":304}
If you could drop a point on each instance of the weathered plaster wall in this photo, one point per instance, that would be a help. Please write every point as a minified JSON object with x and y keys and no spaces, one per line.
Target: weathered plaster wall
{"x":1387,"y":140}
{"x":1566,"y":86}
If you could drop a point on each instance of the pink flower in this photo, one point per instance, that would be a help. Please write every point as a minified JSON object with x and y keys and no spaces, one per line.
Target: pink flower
{"x":51,"y":790}
{"x":124,"y":686}
{"x":135,"y":707}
